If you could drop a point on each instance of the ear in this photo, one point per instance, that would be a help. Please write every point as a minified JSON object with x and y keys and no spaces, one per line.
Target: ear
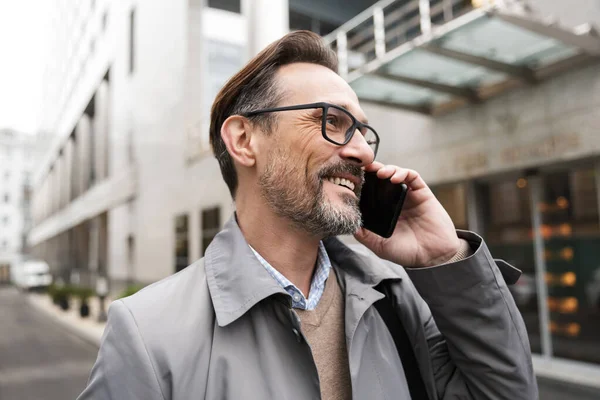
{"x":237,"y":133}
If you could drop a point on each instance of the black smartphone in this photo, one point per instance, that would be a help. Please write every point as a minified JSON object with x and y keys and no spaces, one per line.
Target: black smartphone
{"x":380,"y":204}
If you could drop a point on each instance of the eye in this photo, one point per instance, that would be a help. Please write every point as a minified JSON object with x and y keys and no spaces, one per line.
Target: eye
{"x":332,"y":120}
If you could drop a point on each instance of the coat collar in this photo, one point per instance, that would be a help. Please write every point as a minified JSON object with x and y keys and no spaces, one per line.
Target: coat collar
{"x":237,"y":281}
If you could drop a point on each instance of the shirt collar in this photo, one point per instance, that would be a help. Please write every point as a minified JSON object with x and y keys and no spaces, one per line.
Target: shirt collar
{"x":317,"y":286}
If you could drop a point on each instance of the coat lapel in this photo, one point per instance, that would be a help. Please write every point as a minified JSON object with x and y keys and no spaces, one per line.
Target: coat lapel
{"x":236,"y":279}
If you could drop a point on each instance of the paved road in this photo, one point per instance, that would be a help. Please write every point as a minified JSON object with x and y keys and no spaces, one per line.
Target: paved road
{"x":38,"y":358}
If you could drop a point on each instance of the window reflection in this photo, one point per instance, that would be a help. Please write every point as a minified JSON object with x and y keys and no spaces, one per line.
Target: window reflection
{"x":509,"y":235}
{"x":571,"y":232}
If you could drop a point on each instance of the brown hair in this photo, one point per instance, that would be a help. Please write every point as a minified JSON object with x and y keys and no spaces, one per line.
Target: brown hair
{"x":254,"y":87}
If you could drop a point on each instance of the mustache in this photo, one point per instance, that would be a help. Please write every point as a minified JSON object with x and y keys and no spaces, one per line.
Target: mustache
{"x":344,"y":168}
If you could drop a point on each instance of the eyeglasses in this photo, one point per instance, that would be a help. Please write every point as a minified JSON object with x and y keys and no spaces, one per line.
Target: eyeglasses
{"x":337,"y":124}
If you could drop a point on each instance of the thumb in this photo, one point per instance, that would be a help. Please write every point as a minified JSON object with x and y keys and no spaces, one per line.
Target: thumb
{"x":369,"y":239}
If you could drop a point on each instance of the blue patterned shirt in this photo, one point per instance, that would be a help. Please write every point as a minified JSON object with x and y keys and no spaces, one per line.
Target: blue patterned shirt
{"x":317,"y":285}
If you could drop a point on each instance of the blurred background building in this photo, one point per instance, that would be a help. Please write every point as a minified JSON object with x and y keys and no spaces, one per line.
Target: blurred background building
{"x":496,"y":103}
{"x":16,"y":157}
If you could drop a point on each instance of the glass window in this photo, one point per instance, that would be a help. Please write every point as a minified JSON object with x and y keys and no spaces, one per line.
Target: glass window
{"x":6,"y":198}
{"x":454,"y":199}
{"x":211,"y":224}
{"x":507,"y":227}
{"x":227,"y":5}
{"x":181,"y":242}
{"x":224,"y":60}
{"x":571,"y":232}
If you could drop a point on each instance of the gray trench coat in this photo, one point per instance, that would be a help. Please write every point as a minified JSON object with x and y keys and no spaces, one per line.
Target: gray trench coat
{"x":224,"y":329}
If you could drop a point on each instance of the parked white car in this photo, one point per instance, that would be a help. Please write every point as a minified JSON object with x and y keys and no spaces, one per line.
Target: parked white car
{"x":33,"y":274}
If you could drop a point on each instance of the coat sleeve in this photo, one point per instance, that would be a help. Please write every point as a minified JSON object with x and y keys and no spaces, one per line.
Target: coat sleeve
{"x":477,"y":341}
{"x":123,"y":369}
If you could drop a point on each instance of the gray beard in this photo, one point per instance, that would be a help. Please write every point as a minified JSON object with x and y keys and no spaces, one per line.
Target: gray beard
{"x":305,"y":205}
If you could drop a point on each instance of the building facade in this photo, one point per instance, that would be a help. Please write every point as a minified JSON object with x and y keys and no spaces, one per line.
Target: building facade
{"x":513,"y":156}
{"x":15,"y":170}
{"x":129,"y":189}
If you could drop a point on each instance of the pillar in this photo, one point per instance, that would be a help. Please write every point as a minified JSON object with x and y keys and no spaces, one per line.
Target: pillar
{"x":101,"y":125}
{"x":267,"y":21}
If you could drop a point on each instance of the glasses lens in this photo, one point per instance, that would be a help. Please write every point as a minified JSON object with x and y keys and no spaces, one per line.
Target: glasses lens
{"x":338,"y":128}
{"x":371,"y":139}
{"x":337,"y":124}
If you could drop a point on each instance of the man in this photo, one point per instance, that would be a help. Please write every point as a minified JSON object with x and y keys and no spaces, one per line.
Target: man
{"x":281,"y":309}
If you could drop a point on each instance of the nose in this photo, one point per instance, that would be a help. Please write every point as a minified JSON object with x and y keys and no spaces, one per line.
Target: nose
{"x":357,"y":150}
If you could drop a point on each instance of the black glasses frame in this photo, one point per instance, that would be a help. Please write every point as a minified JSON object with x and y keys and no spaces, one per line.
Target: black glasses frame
{"x":356,"y":124}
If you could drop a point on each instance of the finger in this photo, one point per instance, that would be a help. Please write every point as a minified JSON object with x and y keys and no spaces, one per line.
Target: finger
{"x":413,"y":180}
{"x":369,"y":239}
{"x":408,"y":176}
{"x":373,"y":167}
{"x":386,"y":171}
{"x":400,"y":176}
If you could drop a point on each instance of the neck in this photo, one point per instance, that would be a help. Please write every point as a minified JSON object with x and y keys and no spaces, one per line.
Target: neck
{"x":289,"y":250}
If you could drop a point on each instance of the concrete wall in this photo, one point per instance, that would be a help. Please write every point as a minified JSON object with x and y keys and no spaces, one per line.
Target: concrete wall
{"x":158,"y":126}
{"x":568,"y":13}
{"x":169,"y":183}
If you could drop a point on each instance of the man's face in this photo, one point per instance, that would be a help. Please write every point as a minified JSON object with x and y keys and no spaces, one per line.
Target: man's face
{"x":313,"y":183}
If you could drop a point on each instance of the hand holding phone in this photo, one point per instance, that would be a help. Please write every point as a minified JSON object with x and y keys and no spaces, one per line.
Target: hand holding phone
{"x":380,"y":204}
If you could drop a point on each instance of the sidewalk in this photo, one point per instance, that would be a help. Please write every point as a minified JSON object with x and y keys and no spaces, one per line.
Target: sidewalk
{"x":88,"y":328}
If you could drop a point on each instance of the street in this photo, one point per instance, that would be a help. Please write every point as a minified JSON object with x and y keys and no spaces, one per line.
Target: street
{"x":38,"y":358}
{"x":41,"y":360}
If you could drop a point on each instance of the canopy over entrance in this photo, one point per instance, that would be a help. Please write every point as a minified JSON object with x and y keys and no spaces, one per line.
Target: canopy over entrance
{"x":432,"y":56}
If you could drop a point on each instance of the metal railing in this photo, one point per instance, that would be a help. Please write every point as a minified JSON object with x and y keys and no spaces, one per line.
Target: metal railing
{"x":390,"y":23}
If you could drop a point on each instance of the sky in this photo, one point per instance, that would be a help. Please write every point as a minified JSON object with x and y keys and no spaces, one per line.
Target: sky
{"x":23,"y":31}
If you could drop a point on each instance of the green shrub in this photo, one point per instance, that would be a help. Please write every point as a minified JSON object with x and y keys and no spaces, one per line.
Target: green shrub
{"x":83,"y":293}
{"x":131,"y":290}
{"x":51,"y":290}
{"x":60,"y":295}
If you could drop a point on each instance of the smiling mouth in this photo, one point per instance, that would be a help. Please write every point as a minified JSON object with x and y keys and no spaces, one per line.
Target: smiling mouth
{"x":342,"y":182}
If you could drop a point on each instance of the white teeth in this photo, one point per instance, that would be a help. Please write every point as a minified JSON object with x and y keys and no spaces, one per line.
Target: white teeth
{"x":342,"y":181}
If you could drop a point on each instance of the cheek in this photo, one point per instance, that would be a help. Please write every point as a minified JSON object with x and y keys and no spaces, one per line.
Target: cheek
{"x":264,"y":157}
{"x":311,"y":148}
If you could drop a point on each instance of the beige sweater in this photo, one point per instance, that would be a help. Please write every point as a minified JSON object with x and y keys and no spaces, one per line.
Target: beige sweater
{"x":323,"y":327}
